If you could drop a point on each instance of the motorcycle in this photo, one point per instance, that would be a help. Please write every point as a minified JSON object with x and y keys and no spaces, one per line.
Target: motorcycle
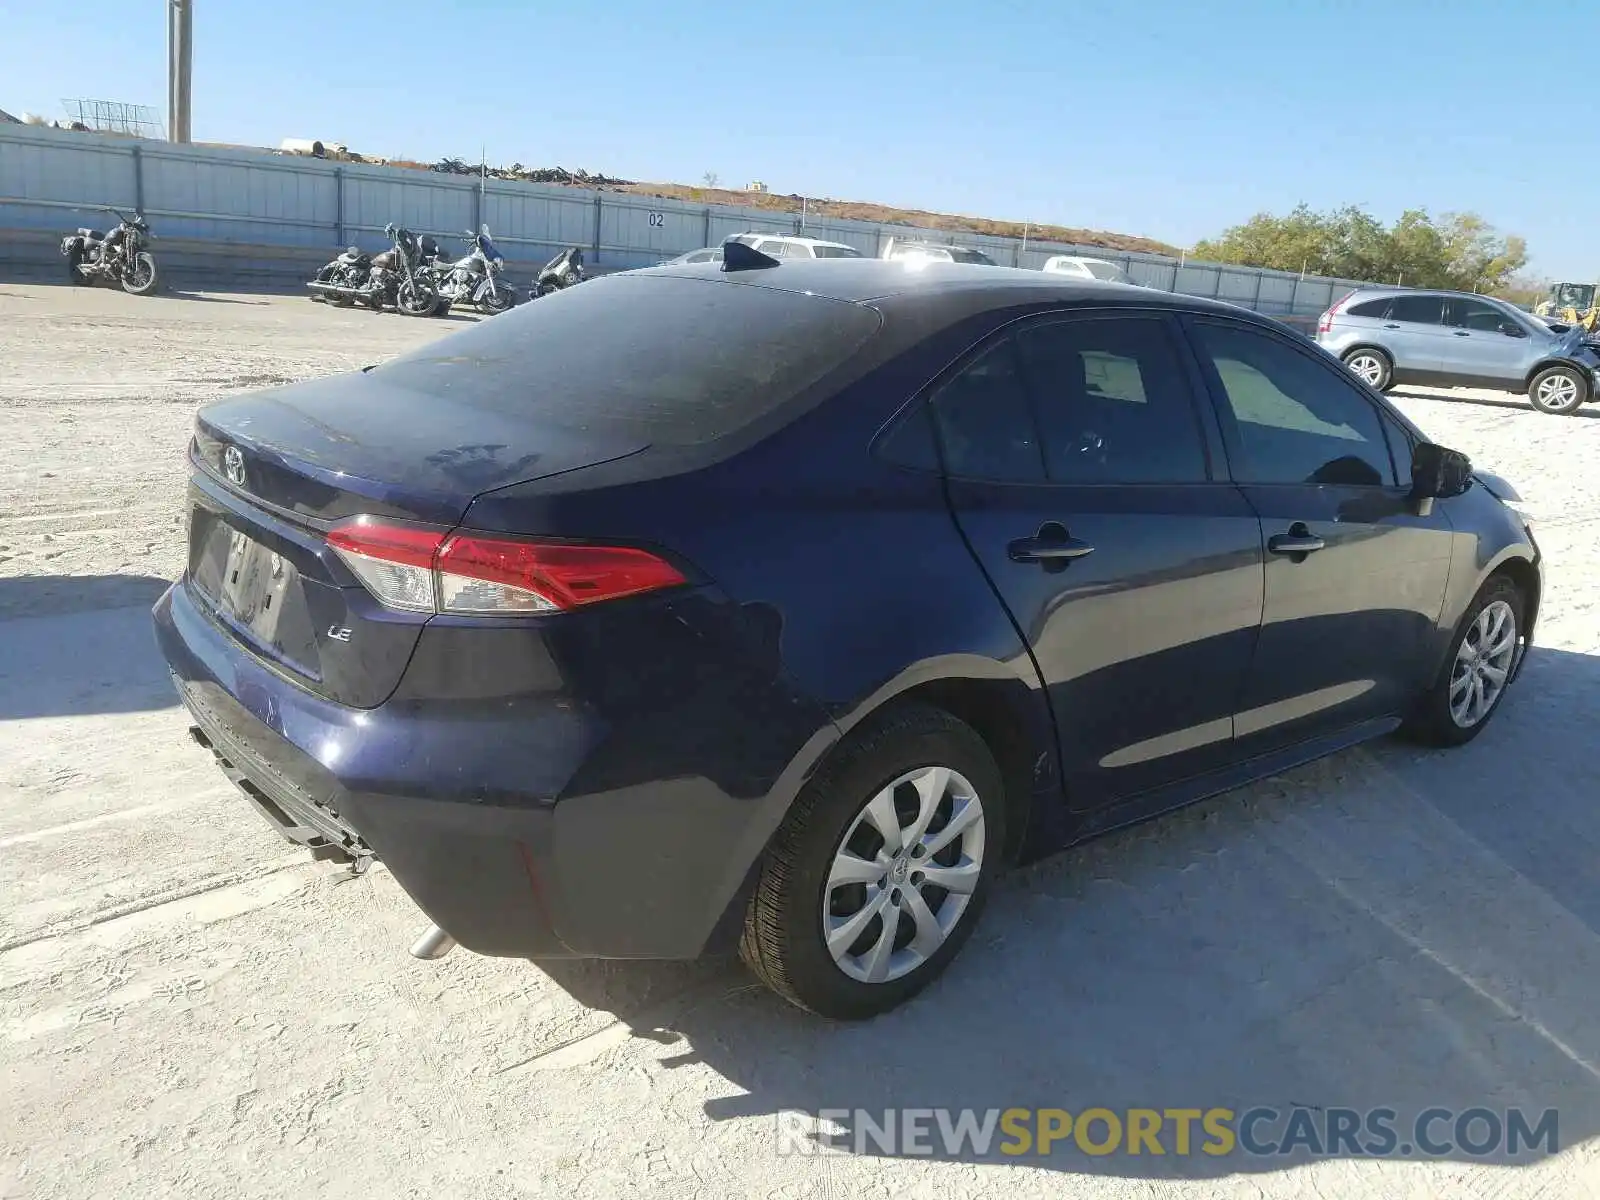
{"x":119,"y":255}
{"x":398,"y":278}
{"x":348,"y":274}
{"x":562,"y":271}
{"x":474,"y":278}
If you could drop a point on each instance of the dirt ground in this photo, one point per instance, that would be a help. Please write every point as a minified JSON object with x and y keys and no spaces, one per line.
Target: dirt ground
{"x":190,"y":1007}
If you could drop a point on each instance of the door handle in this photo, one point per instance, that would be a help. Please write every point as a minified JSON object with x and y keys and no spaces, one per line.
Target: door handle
{"x":1392,"y":325}
{"x":1299,"y":540}
{"x":1052,"y":544}
{"x":1462,"y":333}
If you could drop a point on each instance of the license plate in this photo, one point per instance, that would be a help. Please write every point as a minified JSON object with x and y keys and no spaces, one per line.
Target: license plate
{"x":257,"y":590}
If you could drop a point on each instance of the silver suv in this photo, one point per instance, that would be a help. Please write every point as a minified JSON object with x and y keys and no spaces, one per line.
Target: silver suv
{"x":1453,"y":339}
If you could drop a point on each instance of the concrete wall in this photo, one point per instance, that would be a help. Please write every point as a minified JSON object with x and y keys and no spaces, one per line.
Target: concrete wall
{"x":235,"y":217}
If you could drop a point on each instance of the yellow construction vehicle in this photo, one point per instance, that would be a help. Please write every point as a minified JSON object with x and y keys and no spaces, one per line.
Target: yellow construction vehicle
{"x":1573,"y":303}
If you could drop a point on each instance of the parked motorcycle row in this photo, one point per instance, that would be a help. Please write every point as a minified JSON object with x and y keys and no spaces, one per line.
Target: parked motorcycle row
{"x":413,"y":276}
{"x":416,"y":278}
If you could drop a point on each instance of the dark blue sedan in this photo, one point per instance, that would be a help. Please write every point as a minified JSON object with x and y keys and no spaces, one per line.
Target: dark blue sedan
{"x":781,"y":606}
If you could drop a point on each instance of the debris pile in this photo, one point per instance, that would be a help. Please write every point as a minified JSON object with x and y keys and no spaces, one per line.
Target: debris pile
{"x":578,"y":178}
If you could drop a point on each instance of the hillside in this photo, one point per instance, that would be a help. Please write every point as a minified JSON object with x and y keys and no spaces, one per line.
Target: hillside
{"x":860,"y":211}
{"x":790,"y":204}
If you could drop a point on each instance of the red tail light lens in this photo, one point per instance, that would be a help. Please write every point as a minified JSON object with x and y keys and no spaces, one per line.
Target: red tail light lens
{"x":1326,"y":322}
{"x":478,"y":574}
{"x":428,"y":571}
{"x":394,"y":562}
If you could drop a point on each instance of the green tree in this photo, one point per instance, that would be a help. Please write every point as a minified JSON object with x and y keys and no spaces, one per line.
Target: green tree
{"x":1458,"y":250}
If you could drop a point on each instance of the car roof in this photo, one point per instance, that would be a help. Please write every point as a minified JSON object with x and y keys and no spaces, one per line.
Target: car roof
{"x":1375,"y":290}
{"x":860,"y":280}
{"x":1081,"y":259}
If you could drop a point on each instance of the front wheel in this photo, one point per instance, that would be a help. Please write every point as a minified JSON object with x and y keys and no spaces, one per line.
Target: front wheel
{"x":496,"y":301}
{"x":1482,"y":658}
{"x":1372,"y":367}
{"x":416,"y":298}
{"x":880,"y":871}
{"x":1558,"y":390}
{"x":140,"y":278}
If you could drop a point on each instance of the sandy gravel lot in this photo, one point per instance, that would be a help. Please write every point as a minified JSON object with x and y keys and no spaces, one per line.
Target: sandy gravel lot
{"x":189,"y":1007}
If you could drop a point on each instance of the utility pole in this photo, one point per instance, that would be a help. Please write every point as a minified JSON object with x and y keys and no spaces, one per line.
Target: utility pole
{"x":180,"y":67}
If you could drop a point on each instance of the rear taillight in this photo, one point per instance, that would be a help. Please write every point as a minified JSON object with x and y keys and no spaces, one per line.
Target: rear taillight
{"x":429,"y":571}
{"x":1325,"y":323}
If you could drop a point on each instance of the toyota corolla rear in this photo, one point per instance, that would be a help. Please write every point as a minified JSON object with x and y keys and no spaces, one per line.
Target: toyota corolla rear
{"x":441,"y":612}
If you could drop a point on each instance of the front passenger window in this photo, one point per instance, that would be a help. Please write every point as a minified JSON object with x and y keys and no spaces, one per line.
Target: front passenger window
{"x":1476,"y":315}
{"x":1298,"y":421}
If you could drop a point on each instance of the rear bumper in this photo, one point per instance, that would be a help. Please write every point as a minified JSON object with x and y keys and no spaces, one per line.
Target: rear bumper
{"x":480,"y":813}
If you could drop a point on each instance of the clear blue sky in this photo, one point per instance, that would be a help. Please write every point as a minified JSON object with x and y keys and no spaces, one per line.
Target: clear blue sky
{"x":1155,"y":117}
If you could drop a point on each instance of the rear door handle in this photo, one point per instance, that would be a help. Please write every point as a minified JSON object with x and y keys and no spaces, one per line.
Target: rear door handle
{"x":1299,"y":540}
{"x":1391,"y":325}
{"x":1052,"y":544}
{"x":1462,"y":333}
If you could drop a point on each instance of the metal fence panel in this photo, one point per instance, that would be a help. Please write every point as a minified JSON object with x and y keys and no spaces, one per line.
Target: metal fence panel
{"x":54,"y":179}
{"x":637,"y":231}
{"x":1194,"y":280}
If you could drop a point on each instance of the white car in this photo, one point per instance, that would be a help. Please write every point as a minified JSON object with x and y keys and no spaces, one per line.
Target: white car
{"x":899,"y":248}
{"x":1085,"y":268}
{"x":781,"y":245}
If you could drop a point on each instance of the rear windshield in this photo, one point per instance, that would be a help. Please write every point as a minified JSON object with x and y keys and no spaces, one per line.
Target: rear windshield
{"x":667,"y":361}
{"x":836,"y":252}
{"x":1105,"y":271}
{"x":957,"y":254}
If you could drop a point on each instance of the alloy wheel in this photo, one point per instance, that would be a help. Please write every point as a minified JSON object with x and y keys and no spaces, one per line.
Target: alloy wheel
{"x":1483,"y":664}
{"x":1366,"y":367}
{"x":903,"y":874}
{"x":1555,"y":391}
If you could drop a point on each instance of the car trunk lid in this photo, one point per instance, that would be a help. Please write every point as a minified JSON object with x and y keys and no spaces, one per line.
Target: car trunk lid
{"x":276,"y":471}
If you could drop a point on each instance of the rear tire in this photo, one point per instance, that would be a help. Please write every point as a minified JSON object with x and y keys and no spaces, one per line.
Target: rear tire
{"x":929,"y":777}
{"x":1558,"y":390}
{"x":1372,"y":367}
{"x":1484,"y":647}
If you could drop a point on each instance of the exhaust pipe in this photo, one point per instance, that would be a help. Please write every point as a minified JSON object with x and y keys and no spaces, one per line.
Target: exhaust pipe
{"x":339,"y":289}
{"x":434,"y":943}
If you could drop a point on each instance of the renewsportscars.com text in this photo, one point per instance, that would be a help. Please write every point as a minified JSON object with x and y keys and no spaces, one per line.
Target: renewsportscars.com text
{"x":1215,"y":1132}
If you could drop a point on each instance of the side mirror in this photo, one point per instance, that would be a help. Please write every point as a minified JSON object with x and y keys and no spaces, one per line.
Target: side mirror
{"x":1439,"y":473}
{"x":1512,"y":329}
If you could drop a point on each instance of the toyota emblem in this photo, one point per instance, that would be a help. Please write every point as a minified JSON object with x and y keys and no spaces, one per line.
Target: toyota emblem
{"x":233,"y":465}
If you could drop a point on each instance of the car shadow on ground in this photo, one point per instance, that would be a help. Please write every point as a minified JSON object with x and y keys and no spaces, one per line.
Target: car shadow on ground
{"x":1520,"y":403}
{"x":1391,"y":928}
{"x":80,"y":644}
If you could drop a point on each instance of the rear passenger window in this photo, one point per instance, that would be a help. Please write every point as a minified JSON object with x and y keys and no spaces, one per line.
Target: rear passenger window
{"x":1368,"y":308}
{"x":984,"y":424}
{"x":1113,"y":402}
{"x":1421,"y":310}
{"x":909,"y":441}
